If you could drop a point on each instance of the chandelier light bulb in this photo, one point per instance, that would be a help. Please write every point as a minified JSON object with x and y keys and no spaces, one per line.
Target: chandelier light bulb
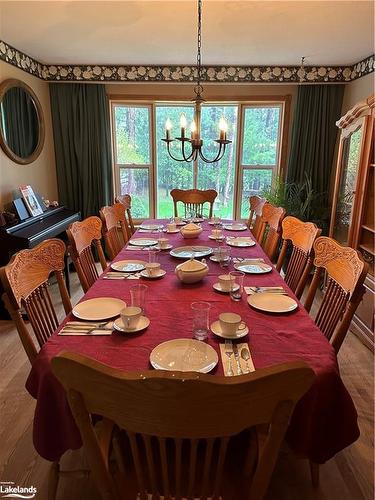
{"x":168,"y":124}
{"x":223,"y":126}
{"x":183,"y":121}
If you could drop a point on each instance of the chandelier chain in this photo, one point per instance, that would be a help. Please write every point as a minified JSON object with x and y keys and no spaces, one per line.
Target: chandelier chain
{"x":199,"y":87}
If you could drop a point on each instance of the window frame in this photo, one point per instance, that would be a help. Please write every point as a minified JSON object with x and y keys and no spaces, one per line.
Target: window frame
{"x":284,"y":101}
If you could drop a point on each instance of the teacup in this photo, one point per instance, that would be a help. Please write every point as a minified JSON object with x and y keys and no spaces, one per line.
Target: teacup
{"x":215,"y":219}
{"x":171,"y":227}
{"x":130,"y":317}
{"x":230,"y":323}
{"x":163,"y":242}
{"x":178,"y":220}
{"x":226,"y":281}
{"x":152,"y":268}
{"x":217,"y":233}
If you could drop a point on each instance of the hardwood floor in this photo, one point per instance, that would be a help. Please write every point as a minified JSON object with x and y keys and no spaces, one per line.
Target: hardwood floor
{"x":348,"y":476}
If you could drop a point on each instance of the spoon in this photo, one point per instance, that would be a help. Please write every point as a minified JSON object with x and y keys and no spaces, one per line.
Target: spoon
{"x":245,"y":355}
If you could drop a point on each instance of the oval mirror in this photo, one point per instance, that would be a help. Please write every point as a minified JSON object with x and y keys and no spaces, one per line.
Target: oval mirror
{"x":21,"y":122}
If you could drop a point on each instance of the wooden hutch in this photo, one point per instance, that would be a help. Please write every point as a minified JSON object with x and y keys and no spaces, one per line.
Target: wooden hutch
{"x":352,"y":217}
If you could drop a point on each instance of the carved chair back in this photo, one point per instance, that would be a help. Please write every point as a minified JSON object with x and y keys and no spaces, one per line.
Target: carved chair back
{"x":256,"y":204}
{"x":25,"y":284}
{"x":126,"y":200}
{"x":82,"y":237}
{"x":346,"y":272}
{"x":114,"y":222}
{"x":170,"y":451}
{"x":269,"y":232}
{"x":301,"y":236}
{"x":194,"y":200}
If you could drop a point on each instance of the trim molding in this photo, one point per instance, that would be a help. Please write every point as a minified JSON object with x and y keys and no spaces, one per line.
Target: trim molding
{"x":186,"y":74}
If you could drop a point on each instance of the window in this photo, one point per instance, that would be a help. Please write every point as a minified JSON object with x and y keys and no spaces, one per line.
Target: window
{"x":144,"y":169}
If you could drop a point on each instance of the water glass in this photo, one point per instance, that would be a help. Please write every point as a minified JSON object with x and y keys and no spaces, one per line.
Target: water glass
{"x":153,"y":255}
{"x":201,"y":313}
{"x":138,"y":296}
{"x":237,"y":285}
{"x":224,"y":256}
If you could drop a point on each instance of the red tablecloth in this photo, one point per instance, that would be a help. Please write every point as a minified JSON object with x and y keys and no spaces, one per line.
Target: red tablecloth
{"x":324,"y":421}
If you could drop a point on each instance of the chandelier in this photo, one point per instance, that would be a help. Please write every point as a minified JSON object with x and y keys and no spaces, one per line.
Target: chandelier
{"x":194,"y":150}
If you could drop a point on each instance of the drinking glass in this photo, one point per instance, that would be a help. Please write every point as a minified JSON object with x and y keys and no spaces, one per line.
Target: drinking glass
{"x":201,"y":313}
{"x":138,"y":296}
{"x":224,"y":256}
{"x":153,"y":254}
{"x":237,"y":281}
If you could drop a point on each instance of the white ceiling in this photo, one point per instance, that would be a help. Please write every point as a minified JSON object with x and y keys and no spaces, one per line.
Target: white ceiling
{"x":162,"y":32}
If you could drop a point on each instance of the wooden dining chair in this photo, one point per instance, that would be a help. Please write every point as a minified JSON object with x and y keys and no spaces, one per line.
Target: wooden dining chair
{"x":194,"y":200}
{"x":172,"y":431}
{"x":345,"y":273}
{"x":301,"y":236}
{"x":83,"y":236}
{"x":270,"y":229}
{"x":25,"y":281}
{"x":126,"y":200}
{"x":115,"y":228}
{"x":256,"y":204}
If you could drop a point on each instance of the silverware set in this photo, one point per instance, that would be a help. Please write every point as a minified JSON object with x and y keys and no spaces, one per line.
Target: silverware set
{"x":232,"y":350}
{"x":87,"y":327}
{"x":268,"y":289}
{"x":119,"y":275}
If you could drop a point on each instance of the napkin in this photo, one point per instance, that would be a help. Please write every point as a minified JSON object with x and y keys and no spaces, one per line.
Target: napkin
{"x":74,"y":333}
{"x":251,"y":290}
{"x":225,"y":359}
{"x":250,"y":261}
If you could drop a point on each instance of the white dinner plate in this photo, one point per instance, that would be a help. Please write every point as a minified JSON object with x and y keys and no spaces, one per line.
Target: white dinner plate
{"x":216,"y":329}
{"x":195,"y":219}
{"x":252,"y":267}
{"x":99,"y":308}
{"x":142,"y":242}
{"x":235,"y":227}
{"x":143,"y":323}
{"x":160,"y":274}
{"x":272,"y":302}
{"x":184,"y":355}
{"x":188,"y":251}
{"x":240,"y":242}
{"x":128,"y":266}
{"x":151,"y":227}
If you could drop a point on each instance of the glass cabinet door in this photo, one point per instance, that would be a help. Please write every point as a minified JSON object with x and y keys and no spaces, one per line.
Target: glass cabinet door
{"x":351,"y":149}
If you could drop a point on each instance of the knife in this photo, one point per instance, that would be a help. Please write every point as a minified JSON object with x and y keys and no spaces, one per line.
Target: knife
{"x":237,"y":358}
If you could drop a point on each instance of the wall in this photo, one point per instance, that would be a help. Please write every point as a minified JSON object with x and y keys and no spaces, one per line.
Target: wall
{"x":357,"y":91}
{"x":41,"y":174}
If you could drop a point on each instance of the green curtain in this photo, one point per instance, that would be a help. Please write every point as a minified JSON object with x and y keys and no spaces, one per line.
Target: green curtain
{"x":314,"y":135}
{"x":81,"y":128}
{"x":20,"y":122}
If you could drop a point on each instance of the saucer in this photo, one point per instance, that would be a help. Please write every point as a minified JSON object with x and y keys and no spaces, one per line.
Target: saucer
{"x":217,"y":287}
{"x":216,"y":329}
{"x":168,"y":247}
{"x":143,"y":323}
{"x":215,"y":258}
{"x":171,"y":232}
{"x":222,"y":237}
{"x":160,"y":274}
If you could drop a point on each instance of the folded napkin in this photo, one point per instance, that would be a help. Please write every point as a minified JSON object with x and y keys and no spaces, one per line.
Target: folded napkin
{"x":251,"y":290}
{"x":135,"y":248}
{"x":245,"y":367}
{"x":76,"y":328}
{"x":70,"y":332}
{"x":250,"y":261}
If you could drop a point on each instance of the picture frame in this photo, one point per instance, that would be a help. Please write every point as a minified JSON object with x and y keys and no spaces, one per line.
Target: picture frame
{"x":30,"y":200}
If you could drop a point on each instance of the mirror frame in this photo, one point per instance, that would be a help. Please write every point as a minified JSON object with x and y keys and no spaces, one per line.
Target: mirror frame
{"x":4,"y":87}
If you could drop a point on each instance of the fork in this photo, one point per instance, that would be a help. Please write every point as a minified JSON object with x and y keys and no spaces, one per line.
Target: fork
{"x":229,"y":352}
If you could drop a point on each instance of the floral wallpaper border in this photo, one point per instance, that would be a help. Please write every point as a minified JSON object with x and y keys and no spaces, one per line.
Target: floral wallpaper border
{"x":217,"y":74}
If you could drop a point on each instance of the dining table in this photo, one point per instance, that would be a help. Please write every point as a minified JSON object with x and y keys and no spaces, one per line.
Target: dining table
{"x":324,"y":420}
